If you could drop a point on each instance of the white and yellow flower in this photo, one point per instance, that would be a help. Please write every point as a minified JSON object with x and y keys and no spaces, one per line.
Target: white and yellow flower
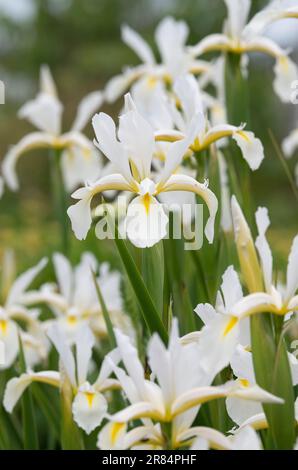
{"x":146,"y":221}
{"x":187,"y":91}
{"x":170,"y":37}
{"x":89,"y":405}
{"x":174,"y":392}
{"x":14,"y":309}
{"x":243,"y":37}
{"x":79,"y":160}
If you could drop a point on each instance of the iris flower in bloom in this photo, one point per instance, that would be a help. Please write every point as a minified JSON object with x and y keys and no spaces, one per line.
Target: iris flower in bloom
{"x":242,"y":37}
{"x":170,"y":37}
{"x":132,"y":154}
{"x":79,"y":160}
{"x":174,"y":393}
{"x":190,"y":100}
{"x":74,"y":300}
{"x":15,"y":308}
{"x":89,"y":404}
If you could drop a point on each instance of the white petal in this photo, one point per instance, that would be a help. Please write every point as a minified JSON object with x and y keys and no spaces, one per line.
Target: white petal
{"x":80,"y":213}
{"x":84,"y":343}
{"x":251,"y":148}
{"x":59,"y":340}
{"x":146,"y":222}
{"x":286,"y":72}
{"x":215,"y":439}
{"x":105,"y":131}
{"x":44,"y":112}
{"x":206,"y":313}
{"x":255,"y":303}
{"x":237,"y":16}
{"x":137,"y":137}
{"x":290,"y":144}
{"x":186,"y":183}
{"x":178,"y":149}
{"x":89,"y":410}
{"x":160,"y":365}
{"x":223,"y":333}
{"x":79,"y":166}
{"x":292,"y":270}
{"x":9,"y":342}
{"x":87,"y":107}
{"x":212,"y":42}
{"x":170,"y":37}
{"x":63,"y":271}
{"x":23,"y":282}
{"x":231,"y":288}
{"x":47,"y":84}
{"x":16,"y":386}
{"x":31,"y":141}
{"x":137,"y":44}
{"x":262,"y":245}
{"x":111,"y":436}
{"x":136,"y":411}
{"x":242,"y":364}
{"x":187,"y":89}
{"x":246,"y":439}
{"x":117,"y":85}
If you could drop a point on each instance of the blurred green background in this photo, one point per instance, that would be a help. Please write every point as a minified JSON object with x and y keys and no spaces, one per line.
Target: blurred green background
{"x":80,"y":40}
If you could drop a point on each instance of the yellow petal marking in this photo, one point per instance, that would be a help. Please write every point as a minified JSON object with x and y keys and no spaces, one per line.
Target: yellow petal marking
{"x":115,"y":429}
{"x":244,"y":382}
{"x":90,"y":398}
{"x":230,"y":325}
{"x":146,"y":202}
{"x":3,"y":326}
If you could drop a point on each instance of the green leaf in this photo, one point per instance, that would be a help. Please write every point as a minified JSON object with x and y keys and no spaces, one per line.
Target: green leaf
{"x":149,"y":311}
{"x":30,"y":437}
{"x":44,"y":401}
{"x":153,"y":273}
{"x":71,"y":438}
{"x":273,"y":373}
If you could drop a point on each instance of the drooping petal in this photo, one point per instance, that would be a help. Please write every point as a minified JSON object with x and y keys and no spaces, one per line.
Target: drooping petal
{"x":251,"y":147}
{"x":16,"y":386}
{"x":146,"y":222}
{"x":118,"y":85}
{"x":216,"y":440}
{"x":286,"y":73}
{"x":80,"y":213}
{"x":89,"y":408}
{"x":256,"y":303}
{"x":137,"y":411}
{"x":186,"y":183}
{"x":212,"y":42}
{"x":23,"y":282}
{"x":137,"y":44}
{"x":87,"y":107}
{"x":31,"y":141}
{"x":111,"y":436}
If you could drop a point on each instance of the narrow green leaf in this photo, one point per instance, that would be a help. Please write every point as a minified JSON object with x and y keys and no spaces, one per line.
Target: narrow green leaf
{"x":30,"y":437}
{"x":71,"y":438}
{"x":273,"y":373}
{"x":149,"y":311}
{"x":153,"y":273}
{"x":47,"y":408}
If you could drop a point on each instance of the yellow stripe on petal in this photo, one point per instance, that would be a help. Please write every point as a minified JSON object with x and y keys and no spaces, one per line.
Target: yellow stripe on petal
{"x":244,"y":135}
{"x":3,"y":326}
{"x":116,"y":428}
{"x":230,"y":325}
{"x":146,"y":202}
{"x":90,"y":398}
